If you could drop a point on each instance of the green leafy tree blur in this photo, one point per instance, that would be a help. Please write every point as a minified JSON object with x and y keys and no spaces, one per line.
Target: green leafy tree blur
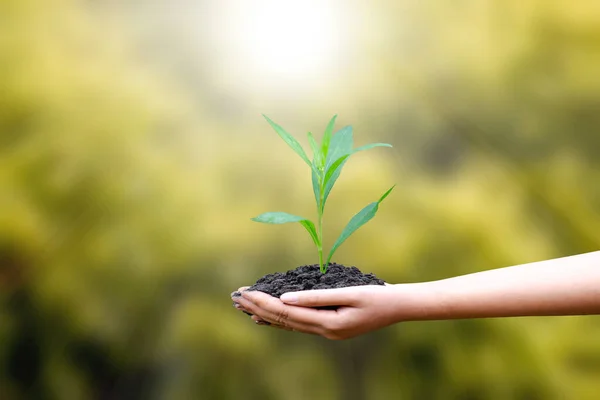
{"x":125,"y":202}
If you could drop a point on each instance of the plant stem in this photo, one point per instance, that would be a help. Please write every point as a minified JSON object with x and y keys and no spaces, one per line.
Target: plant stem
{"x":321,"y":266}
{"x":320,"y":209}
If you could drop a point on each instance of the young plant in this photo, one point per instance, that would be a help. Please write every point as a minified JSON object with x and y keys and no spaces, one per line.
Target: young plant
{"x":328,"y":160}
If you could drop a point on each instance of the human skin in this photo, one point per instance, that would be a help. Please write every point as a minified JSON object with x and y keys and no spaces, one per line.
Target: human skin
{"x":561,"y":286}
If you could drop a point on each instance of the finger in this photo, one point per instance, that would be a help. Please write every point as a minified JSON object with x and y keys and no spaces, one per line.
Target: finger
{"x":254,"y":311}
{"x":292,"y":328}
{"x":238,"y":306}
{"x":260,"y":321}
{"x":278,"y":314}
{"x":257,"y":319}
{"x":238,"y":292}
{"x":348,"y":296}
{"x":235,"y":296}
{"x":265,"y":323}
{"x":276,"y":308}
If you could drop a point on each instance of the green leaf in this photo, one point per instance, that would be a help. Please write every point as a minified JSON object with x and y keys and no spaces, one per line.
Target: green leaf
{"x":327,"y":136}
{"x":310,"y":227}
{"x":341,"y":144}
{"x":331,"y":176}
{"x":386,"y":194}
{"x":317,"y":154}
{"x":334,"y":170}
{"x":284,"y":218}
{"x":277,"y":218}
{"x":370,"y":146}
{"x":334,"y":167}
{"x":363,"y":216}
{"x":290,"y":140}
{"x":316,"y":187}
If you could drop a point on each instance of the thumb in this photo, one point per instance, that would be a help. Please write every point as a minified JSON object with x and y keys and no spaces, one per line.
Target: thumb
{"x":322,"y":297}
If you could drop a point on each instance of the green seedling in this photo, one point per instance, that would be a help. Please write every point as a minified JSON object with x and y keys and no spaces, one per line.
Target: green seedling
{"x":328,"y":160}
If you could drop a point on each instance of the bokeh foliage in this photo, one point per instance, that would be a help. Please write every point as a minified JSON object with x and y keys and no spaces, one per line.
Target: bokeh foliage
{"x":127,"y":184}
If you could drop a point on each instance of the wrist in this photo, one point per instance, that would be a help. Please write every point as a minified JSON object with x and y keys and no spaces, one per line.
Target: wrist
{"x":417,"y":302}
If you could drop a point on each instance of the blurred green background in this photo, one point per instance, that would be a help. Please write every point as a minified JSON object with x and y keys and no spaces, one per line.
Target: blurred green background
{"x":133,"y":155}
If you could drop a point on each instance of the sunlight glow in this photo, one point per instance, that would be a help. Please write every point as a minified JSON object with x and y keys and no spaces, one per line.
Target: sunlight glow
{"x":288,"y":38}
{"x":272,"y":40}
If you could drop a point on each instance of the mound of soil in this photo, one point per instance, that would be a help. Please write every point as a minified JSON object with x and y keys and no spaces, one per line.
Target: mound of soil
{"x":309,"y":277}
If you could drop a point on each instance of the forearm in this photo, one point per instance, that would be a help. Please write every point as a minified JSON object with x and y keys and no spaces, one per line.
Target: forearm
{"x":564,"y":286}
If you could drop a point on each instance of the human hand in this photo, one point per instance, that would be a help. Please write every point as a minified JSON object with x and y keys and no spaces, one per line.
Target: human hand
{"x":361,"y":309}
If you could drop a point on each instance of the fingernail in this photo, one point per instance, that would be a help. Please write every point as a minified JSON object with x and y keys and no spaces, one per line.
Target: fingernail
{"x":262,"y":323}
{"x":289,"y":298}
{"x":235,"y":294}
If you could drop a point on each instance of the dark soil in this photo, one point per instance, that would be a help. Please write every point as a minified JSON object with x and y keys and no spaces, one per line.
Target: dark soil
{"x":309,"y":277}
